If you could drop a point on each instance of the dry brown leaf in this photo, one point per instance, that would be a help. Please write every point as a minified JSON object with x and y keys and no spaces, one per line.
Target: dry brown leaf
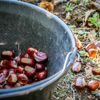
{"x":69,"y":98}
{"x":91,"y":36}
{"x":87,"y":14}
{"x":88,"y":71}
{"x":96,"y":5}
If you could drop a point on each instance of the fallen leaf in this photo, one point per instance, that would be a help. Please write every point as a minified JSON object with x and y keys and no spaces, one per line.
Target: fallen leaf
{"x":87,"y":14}
{"x":91,"y":36}
{"x":96,"y":5}
{"x":69,"y":98}
{"x":88,"y":71}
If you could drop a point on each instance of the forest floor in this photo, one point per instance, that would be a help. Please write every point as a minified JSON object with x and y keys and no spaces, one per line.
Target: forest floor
{"x":82,"y":17}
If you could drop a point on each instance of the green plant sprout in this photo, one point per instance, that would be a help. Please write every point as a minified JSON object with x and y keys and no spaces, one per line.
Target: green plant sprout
{"x":94,"y":20}
{"x":69,"y":7}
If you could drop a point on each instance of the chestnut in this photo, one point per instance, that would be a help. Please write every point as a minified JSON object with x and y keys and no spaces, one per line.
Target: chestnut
{"x":12,"y":64}
{"x":18,"y":58}
{"x":2,"y":78}
{"x":40,"y":57}
{"x":92,"y":52}
{"x":20,"y":69}
{"x":39,"y":66}
{"x":41,"y":74}
{"x":12,"y":79}
{"x":96,"y":71}
{"x":80,"y":83}
{"x":93,"y":85}
{"x":4,"y":63}
{"x":7,"y":54}
{"x":22,"y":79}
{"x":5,"y":71}
{"x":0,"y":67}
{"x":12,"y":71}
{"x":27,"y":61}
{"x":30,"y":71}
{"x":76,"y":67}
{"x":90,"y":46}
{"x":79,"y":44}
{"x":31,"y":50}
{"x":17,"y":85}
{"x":8,"y":86}
{"x":26,"y":55}
{"x":97,"y":44}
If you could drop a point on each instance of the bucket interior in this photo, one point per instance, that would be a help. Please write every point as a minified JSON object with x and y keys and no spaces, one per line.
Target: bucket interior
{"x":22,"y":27}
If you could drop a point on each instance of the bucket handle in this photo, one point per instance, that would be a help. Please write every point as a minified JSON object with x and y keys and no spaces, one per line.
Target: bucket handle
{"x":70,"y":59}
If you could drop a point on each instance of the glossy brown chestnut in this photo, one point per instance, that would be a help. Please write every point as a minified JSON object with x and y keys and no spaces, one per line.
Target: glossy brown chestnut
{"x":90,"y":46}
{"x":22,"y":79}
{"x":20,"y":69}
{"x":39,"y":66}
{"x":12,"y":71}
{"x":96,"y":71}
{"x":7,"y":54}
{"x":27,"y":61}
{"x":93,"y":85}
{"x":12,"y":79}
{"x":41,"y":75}
{"x":80,"y":83}
{"x":31,"y":50}
{"x":97,"y":44}
{"x":40,"y":57}
{"x":5,"y":71}
{"x":30,"y":71}
{"x":8,"y":86}
{"x":76,"y":67}
{"x":92,"y":52}
{"x":1,"y":87}
{"x":26,"y":55}
{"x":2,"y":78}
{"x":18,"y":58}
{"x":4,"y":63}
{"x":12,"y":64}
{"x":79,"y":44}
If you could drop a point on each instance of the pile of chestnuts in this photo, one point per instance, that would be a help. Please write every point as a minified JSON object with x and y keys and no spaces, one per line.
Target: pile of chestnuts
{"x":22,"y":70}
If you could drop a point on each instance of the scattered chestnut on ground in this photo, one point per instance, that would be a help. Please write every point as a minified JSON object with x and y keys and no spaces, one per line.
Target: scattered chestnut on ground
{"x":80,"y":83}
{"x":40,"y":57}
{"x":93,"y":85}
{"x":92,"y":52}
{"x":79,"y":44}
{"x":76,"y":67}
{"x":7,"y":54}
{"x":90,"y":46}
{"x":96,"y":71}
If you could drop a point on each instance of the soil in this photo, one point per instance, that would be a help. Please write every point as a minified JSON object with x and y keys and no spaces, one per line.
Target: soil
{"x":65,"y":89}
